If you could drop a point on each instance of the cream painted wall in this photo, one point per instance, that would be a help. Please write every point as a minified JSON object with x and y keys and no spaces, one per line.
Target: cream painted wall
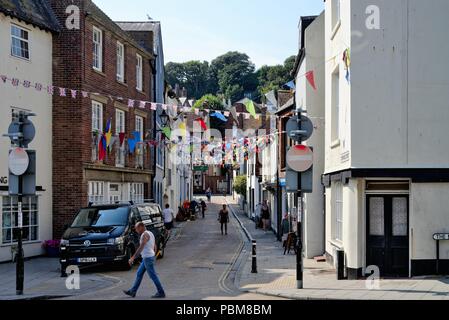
{"x":38,"y":69}
{"x":314,"y":102}
{"x":429,"y":203}
{"x":394,"y":111}
{"x":337,"y":38}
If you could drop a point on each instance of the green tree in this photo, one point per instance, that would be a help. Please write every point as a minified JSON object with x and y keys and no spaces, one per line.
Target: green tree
{"x":209,"y":101}
{"x":274,"y":77}
{"x":234,"y":73}
{"x":193,"y":75}
{"x":240,"y":185}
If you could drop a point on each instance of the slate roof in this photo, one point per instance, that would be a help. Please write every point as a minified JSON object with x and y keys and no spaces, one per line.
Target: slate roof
{"x":35,"y":12}
{"x":137,"y":25}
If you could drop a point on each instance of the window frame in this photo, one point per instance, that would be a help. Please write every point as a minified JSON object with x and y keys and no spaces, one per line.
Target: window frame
{"x":120,"y":159}
{"x":336,"y":106}
{"x":99,"y":118}
{"x":139,"y":72}
{"x":26,"y":208}
{"x":21,"y":40}
{"x":142,"y":125}
{"x":120,"y":62}
{"x":99,"y":46}
{"x":119,"y":125}
{"x":94,"y":194}
{"x":337,"y":205}
{"x":137,"y":193}
{"x":336,"y":13}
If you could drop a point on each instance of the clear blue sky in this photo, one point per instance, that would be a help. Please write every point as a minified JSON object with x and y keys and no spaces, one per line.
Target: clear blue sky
{"x":266,"y":30}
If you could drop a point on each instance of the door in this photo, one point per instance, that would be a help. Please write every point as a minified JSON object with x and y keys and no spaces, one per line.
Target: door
{"x":388,"y":234}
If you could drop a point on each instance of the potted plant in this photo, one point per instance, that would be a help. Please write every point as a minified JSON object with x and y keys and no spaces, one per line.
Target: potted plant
{"x":51,"y":248}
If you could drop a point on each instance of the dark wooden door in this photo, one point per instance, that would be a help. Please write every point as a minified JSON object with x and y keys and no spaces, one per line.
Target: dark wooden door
{"x":388,"y":234}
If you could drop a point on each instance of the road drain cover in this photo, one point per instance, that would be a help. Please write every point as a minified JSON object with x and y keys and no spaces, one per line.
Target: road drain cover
{"x":222,"y":263}
{"x":201,"y":267}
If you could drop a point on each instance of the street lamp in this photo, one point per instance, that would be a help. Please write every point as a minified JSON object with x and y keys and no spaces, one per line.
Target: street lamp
{"x":164,"y":118}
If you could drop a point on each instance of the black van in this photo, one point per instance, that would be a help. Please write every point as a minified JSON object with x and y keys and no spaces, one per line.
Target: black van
{"x":105,"y":234}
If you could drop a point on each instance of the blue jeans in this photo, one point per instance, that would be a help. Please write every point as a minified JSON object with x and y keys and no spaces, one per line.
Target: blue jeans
{"x":148,"y":266}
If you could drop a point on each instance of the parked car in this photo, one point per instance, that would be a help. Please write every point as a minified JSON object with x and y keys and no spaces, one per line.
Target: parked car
{"x":106,"y":234}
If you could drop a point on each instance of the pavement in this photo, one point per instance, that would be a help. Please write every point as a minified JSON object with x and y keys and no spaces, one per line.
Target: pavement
{"x":276,"y":276}
{"x":43,"y":281}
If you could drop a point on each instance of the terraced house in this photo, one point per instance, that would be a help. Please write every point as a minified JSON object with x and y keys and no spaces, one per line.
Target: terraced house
{"x":109,"y":67}
{"x":26,"y":32}
{"x":386,"y":147}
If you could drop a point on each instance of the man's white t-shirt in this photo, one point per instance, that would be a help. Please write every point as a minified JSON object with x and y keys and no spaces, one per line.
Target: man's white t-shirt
{"x":168,"y":215}
{"x":148,"y":250}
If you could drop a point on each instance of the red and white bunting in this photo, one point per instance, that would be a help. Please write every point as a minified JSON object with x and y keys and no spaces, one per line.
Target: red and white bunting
{"x":153,"y":106}
{"x":131,"y":103}
{"x":142,"y":104}
{"x":73,"y":93}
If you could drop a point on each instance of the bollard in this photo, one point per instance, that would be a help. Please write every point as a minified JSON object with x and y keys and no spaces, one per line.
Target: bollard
{"x":340,"y":265}
{"x":254,"y":267}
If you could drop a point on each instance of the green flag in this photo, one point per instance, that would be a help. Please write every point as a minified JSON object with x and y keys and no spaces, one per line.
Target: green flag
{"x":167,"y":132}
{"x":251,"y":108}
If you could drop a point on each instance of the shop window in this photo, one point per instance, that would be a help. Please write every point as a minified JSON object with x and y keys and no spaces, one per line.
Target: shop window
{"x":30,"y":221}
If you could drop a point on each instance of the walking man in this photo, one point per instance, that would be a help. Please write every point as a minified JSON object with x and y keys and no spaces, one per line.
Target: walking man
{"x":223,"y":218}
{"x":168,"y":217}
{"x":203,"y":208}
{"x":147,"y":250}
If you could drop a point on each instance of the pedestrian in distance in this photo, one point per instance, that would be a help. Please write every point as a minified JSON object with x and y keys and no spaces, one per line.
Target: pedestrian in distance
{"x":285,"y":230}
{"x":169,"y":216}
{"x":203,"y":208}
{"x":223,"y":218}
{"x":209,"y":194}
{"x":193,"y":208}
{"x":266,"y":215}
{"x":147,"y":250}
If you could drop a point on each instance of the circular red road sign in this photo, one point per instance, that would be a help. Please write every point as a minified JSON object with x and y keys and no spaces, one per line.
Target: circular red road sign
{"x":300,"y":158}
{"x":18,"y":161}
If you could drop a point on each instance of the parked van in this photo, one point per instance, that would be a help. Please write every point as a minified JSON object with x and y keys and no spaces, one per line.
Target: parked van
{"x":105,"y":234}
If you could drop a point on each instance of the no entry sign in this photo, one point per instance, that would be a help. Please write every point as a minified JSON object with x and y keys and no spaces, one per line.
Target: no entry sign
{"x":300,"y":158}
{"x":18,"y":161}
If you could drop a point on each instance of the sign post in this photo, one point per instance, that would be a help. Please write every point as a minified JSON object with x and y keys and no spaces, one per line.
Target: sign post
{"x":300,"y":159}
{"x":21,"y":132}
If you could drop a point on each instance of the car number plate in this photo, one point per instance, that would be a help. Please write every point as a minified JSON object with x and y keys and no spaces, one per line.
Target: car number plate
{"x":87,"y":260}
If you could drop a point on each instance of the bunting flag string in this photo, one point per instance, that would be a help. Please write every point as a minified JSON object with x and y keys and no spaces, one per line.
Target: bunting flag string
{"x":250,"y":107}
{"x":311,"y":79}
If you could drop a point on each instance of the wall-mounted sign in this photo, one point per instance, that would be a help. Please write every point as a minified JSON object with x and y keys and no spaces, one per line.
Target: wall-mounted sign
{"x":300,"y":158}
{"x":18,"y":161}
{"x":441,"y":236}
{"x":3,"y":180}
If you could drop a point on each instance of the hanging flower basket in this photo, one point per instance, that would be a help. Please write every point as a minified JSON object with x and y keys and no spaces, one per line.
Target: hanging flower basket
{"x":52,"y":248}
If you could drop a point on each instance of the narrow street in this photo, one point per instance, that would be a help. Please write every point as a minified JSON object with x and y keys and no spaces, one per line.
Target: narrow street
{"x":197,"y":265}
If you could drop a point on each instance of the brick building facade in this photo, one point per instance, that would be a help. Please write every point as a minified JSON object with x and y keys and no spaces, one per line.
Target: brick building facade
{"x":86,"y":59}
